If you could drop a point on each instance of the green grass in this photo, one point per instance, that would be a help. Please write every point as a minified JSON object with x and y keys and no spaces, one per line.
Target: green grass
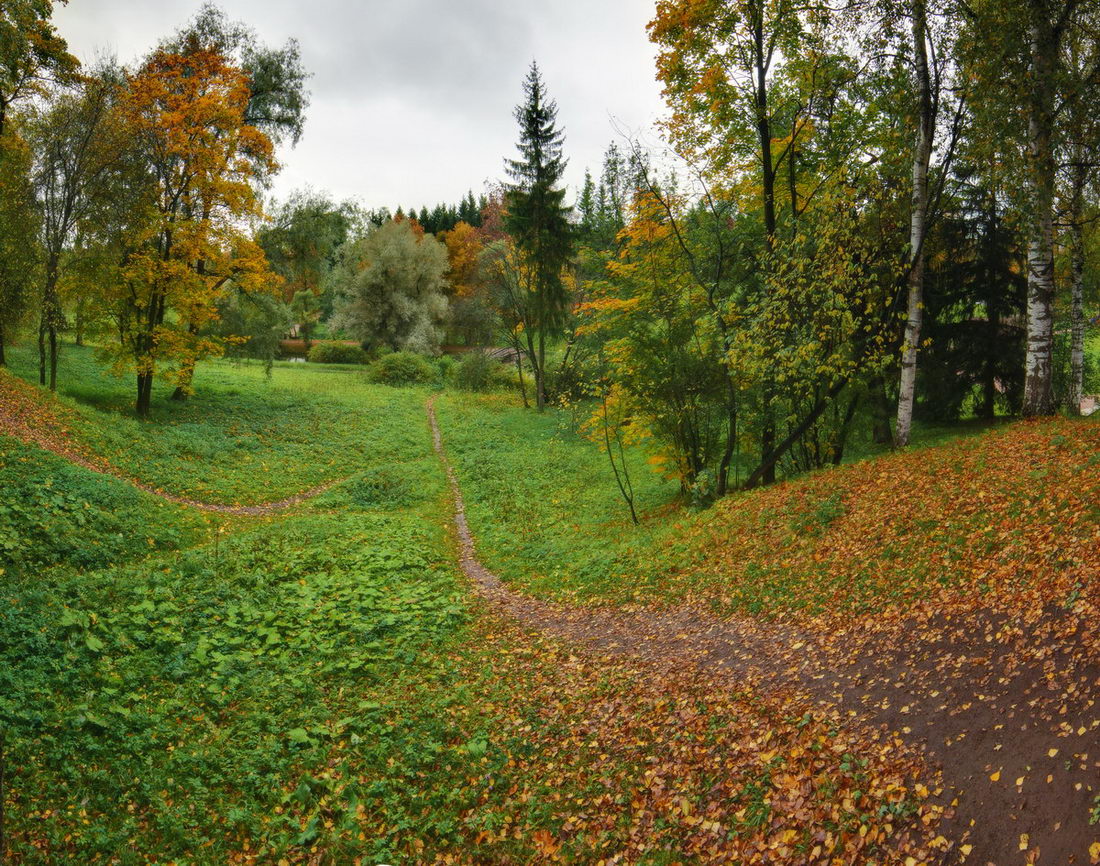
{"x":542,"y":501}
{"x":318,"y":685}
{"x":241,"y":438}
{"x":547,"y":517}
{"x":54,"y":513}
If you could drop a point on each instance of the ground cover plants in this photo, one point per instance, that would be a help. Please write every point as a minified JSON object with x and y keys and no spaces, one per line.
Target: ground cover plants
{"x":244,"y":438}
{"x":319,"y":684}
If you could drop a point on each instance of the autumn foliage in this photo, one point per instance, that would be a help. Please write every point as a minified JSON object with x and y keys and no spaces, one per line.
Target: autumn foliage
{"x":187,"y":111}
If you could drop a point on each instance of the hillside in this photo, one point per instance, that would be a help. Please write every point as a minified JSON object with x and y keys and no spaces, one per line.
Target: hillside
{"x":812,"y":671}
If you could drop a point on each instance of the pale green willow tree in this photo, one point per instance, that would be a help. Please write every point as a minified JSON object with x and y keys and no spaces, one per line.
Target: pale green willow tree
{"x":390,"y":288}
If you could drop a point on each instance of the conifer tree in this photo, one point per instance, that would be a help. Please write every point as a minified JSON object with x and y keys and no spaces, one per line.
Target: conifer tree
{"x":536,"y":218}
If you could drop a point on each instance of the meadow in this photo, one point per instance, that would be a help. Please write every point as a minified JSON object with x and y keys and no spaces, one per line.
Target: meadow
{"x":317,"y":683}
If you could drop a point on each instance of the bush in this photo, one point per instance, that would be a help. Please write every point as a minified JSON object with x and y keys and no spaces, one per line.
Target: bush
{"x":337,"y":353}
{"x":446,"y":366}
{"x":402,"y":368}
{"x":477,"y":372}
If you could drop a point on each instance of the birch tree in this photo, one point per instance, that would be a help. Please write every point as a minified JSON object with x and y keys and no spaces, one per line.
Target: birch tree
{"x":1050,"y":24}
{"x":922,"y":154}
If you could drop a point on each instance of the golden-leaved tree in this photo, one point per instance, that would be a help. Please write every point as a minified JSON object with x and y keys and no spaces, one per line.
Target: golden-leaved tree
{"x":188,"y":115}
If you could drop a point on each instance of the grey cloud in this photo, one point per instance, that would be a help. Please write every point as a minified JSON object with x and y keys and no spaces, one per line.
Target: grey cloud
{"x":412,"y":101}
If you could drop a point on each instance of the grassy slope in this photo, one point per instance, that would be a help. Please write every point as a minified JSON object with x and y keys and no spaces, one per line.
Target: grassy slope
{"x":973,"y":512}
{"x":55,"y":513}
{"x":317,"y":686}
{"x":240,"y":438}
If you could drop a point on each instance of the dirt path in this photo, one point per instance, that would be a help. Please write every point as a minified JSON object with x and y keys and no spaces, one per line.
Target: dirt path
{"x":1006,"y":707}
{"x":24,"y":416}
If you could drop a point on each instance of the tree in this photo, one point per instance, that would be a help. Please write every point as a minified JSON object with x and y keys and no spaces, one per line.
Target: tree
{"x":277,"y":95}
{"x":31,"y":52}
{"x":188,"y":112}
{"x":1080,"y":161}
{"x":306,"y":311}
{"x":302,"y":238}
{"x":718,"y":63}
{"x":922,"y":155}
{"x":78,"y":143}
{"x":19,"y":226}
{"x":538,"y":222}
{"x":390,"y":289}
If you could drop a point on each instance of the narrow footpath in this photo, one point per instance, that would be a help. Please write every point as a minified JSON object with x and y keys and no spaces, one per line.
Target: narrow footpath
{"x":1005,"y":709}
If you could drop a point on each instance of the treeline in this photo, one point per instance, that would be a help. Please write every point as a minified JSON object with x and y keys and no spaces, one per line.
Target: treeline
{"x":874,"y":213}
{"x":858,"y":216}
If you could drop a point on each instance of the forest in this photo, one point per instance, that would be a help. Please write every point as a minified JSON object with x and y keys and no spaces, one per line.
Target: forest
{"x":534,"y":526}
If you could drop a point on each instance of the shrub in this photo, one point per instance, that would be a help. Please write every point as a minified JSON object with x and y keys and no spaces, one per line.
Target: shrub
{"x":446,"y":366}
{"x":402,"y":368}
{"x":337,"y":353}
{"x":477,"y":372}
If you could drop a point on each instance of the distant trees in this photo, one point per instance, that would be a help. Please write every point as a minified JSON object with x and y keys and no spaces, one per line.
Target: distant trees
{"x":390,"y":288}
{"x":537,"y":223}
{"x":302,"y":236}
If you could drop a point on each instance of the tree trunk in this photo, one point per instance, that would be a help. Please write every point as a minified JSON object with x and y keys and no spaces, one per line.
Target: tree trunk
{"x":1077,"y":310}
{"x":922,"y":154}
{"x":144,"y":394}
{"x":540,"y":375}
{"x":53,"y":357}
{"x":1039,"y":368}
{"x":42,"y":349}
{"x":845,"y":430}
{"x":988,"y":408}
{"x":522,"y":383}
{"x":881,"y":434}
{"x":79,"y":340}
{"x":769,"y":460}
{"x":3,"y":360}
{"x":767,"y":177}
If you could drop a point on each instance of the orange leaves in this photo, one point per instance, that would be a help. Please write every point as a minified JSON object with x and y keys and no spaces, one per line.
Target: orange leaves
{"x":463,"y":247}
{"x":608,"y":762}
{"x":189,"y":112}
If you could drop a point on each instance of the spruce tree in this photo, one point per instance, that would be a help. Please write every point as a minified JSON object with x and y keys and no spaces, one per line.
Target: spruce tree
{"x":536,"y":218}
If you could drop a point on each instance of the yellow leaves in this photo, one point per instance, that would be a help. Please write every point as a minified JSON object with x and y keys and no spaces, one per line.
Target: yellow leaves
{"x":995,"y":777}
{"x":1094,"y":852}
{"x":545,"y":843}
{"x":1023,"y":841}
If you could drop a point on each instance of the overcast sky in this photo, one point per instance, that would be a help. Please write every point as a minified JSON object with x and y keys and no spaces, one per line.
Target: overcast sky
{"x":412,"y":100}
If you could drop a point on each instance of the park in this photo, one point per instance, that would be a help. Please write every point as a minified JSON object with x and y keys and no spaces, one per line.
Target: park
{"x":737,"y":502}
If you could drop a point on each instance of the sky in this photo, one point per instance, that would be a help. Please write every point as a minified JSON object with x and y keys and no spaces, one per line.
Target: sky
{"x":411,"y":100}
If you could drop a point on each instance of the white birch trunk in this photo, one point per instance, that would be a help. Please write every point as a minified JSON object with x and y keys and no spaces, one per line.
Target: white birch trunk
{"x":1077,"y":310}
{"x":1039,"y":368}
{"x":922,"y":155}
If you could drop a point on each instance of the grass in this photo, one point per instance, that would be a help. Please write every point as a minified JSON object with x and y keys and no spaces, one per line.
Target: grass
{"x":241,"y":439}
{"x":318,"y":686}
{"x":54,"y":513}
{"x":858,"y":538}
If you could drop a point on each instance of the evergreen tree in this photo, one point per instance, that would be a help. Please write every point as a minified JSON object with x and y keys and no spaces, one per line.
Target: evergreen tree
{"x":586,"y":206}
{"x":536,"y":219}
